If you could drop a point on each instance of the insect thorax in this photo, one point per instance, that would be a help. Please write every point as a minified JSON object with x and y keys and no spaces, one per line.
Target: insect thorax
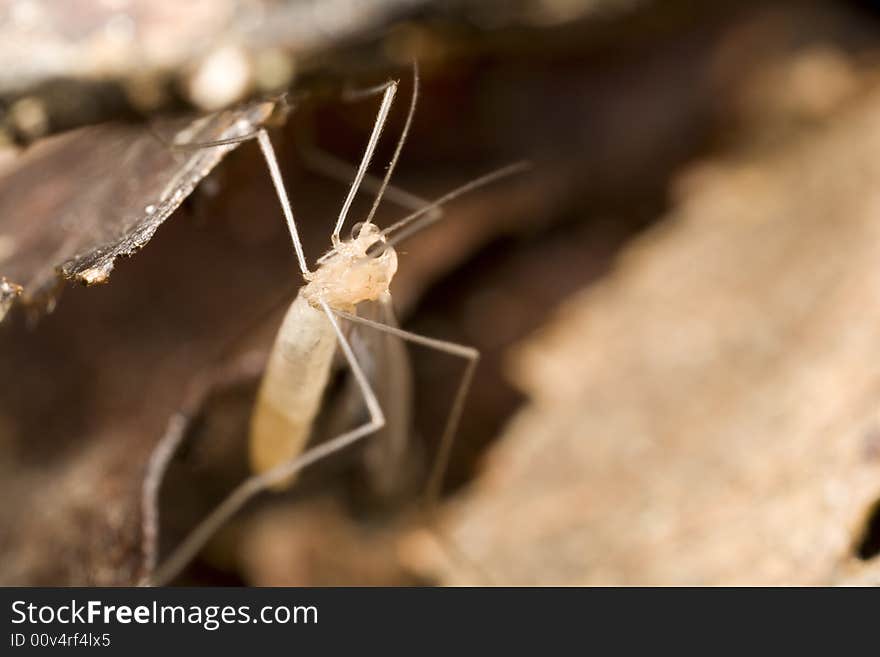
{"x":360,"y":269}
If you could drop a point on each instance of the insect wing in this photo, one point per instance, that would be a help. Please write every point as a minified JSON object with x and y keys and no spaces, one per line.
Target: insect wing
{"x":388,"y":454}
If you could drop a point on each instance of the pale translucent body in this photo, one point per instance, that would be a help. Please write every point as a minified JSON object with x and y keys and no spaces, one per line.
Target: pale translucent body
{"x":291,"y":390}
{"x":353,"y":271}
{"x":299,"y":365}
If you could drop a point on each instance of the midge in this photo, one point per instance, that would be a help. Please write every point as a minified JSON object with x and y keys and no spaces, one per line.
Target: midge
{"x":353,"y":273}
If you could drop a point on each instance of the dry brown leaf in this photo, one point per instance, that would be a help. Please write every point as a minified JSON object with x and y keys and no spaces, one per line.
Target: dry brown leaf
{"x":73,"y":204}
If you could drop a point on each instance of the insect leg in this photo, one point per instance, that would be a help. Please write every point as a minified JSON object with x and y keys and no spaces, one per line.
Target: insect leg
{"x":388,"y":97}
{"x":381,"y":187}
{"x":328,"y":165}
{"x":176,"y":430}
{"x":271,"y":161}
{"x":472,"y":356}
{"x":159,"y":460}
{"x":441,"y":462}
{"x":399,"y":147}
{"x":256,"y":484}
{"x":278,"y":182}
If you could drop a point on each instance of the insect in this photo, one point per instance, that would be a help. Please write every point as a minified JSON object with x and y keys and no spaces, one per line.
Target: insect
{"x":349,"y":283}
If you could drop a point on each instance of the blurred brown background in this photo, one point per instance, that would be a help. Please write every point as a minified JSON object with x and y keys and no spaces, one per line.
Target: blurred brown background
{"x":678,"y":308}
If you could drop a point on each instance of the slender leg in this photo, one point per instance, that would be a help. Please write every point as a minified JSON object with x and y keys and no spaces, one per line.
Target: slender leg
{"x":159,"y":460}
{"x":441,"y":462}
{"x":381,"y":118}
{"x":399,"y":147}
{"x":379,"y":188}
{"x":256,"y":484}
{"x":332,"y":167}
{"x":435,"y":480}
{"x":278,"y":182}
{"x":271,"y":161}
{"x":262,"y":138}
{"x":388,"y":89}
{"x":245,"y":368}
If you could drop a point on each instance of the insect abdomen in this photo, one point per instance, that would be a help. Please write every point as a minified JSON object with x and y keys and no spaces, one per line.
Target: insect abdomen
{"x":291,"y":390}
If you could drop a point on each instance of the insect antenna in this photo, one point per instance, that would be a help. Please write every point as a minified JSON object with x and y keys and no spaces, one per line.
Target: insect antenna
{"x":409,"y":228}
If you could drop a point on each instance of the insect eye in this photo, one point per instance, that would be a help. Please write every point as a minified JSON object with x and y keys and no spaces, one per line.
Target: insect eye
{"x":356,"y":230}
{"x":377,"y":248}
